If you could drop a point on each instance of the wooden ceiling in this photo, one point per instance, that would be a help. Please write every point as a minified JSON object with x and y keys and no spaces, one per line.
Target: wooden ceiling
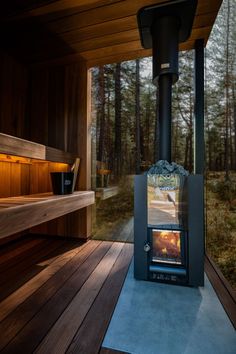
{"x":95,"y":31}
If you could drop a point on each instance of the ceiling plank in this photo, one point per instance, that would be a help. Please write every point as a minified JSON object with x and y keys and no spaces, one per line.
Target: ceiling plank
{"x":59,"y":6}
{"x":134,"y":54}
{"x":120,"y":25}
{"x":101,"y":29}
{"x":108,"y":29}
{"x":112,"y":42}
{"x":99,"y":15}
{"x":117,"y":11}
{"x":101,"y":43}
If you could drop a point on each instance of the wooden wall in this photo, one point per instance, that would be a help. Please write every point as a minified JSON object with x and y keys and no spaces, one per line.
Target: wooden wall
{"x":14,"y":80}
{"x":49,"y":106}
{"x":60,"y":117}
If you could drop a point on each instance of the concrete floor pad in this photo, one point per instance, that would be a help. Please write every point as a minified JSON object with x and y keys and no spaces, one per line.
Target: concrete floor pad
{"x":154,"y":318}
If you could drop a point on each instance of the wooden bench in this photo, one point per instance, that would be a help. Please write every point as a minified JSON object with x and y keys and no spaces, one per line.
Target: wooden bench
{"x":103,"y":171}
{"x":21,"y":213}
{"x":26,"y":199}
{"x":105,"y":193}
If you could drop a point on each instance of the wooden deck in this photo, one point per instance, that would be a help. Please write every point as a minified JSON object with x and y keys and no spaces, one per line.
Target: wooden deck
{"x":58,"y":296}
{"x":121,"y":231}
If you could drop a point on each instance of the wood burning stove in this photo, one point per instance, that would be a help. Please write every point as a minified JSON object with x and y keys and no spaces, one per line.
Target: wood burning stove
{"x":169,"y":206}
{"x":169,"y":226}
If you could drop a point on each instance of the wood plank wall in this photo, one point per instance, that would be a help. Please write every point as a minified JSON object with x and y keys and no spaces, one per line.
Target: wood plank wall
{"x":63,"y":97}
{"x":49,"y":106}
{"x":13,"y":97}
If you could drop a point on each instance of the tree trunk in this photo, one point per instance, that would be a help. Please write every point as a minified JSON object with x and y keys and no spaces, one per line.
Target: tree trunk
{"x":227,"y":98}
{"x":109,"y":146}
{"x":137,"y":119}
{"x":101,"y":114}
{"x":186,"y":155}
{"x":156,"y":136}
{"x":117,"y":148}
{"x":234,"y":115}
{"x":147,"y":129}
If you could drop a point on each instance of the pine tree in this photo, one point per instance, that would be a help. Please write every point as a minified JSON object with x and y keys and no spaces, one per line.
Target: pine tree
{"x":117,"y":147}
{"x":137,"y":120}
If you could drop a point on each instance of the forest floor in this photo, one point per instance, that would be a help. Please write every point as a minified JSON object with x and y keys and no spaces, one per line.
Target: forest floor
{"x":221,"y":223}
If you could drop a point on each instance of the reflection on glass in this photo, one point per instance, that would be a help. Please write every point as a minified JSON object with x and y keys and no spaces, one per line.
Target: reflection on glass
{"x":163,"y":199}
{"x":166,"y":246}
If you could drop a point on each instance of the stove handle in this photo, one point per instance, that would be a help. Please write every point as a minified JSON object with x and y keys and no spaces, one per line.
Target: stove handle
{"x":147,"y":247}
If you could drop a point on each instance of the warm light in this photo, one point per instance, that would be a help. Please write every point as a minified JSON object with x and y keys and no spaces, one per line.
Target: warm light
{"x":15,"y":159}
{"x":54,"y":166}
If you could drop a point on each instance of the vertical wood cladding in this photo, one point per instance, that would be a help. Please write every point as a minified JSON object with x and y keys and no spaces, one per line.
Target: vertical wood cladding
{"x":47,"y":106}
{"x":38,"y":107}
{"x":13,"y":96}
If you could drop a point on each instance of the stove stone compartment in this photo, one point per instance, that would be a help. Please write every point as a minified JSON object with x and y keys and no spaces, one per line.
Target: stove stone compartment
{"x":169,"y":228}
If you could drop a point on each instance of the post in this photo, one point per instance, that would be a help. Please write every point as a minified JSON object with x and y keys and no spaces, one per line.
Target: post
{"x":199,"y":145}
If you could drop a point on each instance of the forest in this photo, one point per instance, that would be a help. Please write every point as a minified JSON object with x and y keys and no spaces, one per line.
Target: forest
{"x":125,"y":132}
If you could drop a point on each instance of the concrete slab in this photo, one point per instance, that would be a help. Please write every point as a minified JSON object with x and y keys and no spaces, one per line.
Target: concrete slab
{"x":154,"y":318}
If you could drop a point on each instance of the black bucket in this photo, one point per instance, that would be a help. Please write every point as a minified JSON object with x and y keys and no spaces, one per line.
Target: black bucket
{"x":62,"y":182}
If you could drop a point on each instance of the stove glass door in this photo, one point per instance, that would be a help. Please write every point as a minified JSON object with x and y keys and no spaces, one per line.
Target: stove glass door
{"x":167,"y":246}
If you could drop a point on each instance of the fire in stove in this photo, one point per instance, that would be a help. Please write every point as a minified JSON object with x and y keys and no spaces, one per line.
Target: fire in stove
{"x":166,"y":246}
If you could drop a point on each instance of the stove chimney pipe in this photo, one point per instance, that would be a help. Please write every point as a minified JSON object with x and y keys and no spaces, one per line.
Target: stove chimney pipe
{"x":165,"y":40}
{"x":161,"y":28}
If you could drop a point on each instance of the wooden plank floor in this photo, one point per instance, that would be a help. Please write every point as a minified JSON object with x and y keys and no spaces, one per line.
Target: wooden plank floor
{"x":58,"y":296}
{"x":122,"y":231}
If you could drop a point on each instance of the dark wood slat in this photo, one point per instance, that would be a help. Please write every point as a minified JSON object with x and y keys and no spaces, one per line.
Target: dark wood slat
{"x":13,"y":258}
{"x":111,"y":351}
{"x":98,"y":15}
{"x":112,"y":39}
{"x":91,"y":279}
{"x":101,"y":29}
{"x":88,"y":28}
{"x":108,"y":55}
{"x":13,"y":248}
{"x":92,"y":331}
{"x":36,"y":329}
{"x":63,"y":331}
{"x":124,"y":24}
{"x":9,"y":240}
{"x":49,"y":255}
{"x":221,"y":291}
{"x":23,"y":314}
{"x":12,"y":274}
{"x":21,"y":294}
{"x":52,"y":6}
{"x":20,"y":262}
